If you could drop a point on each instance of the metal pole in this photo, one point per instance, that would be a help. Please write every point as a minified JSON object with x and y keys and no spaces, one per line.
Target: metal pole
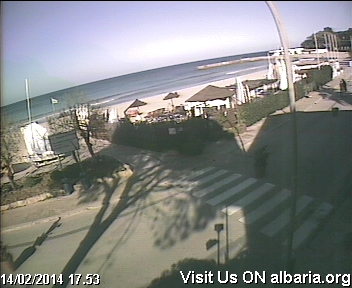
{"x":29,"y":113}
{"x":316,"y":49}
{"x":218,"y":247}
{"x":28,"y":104}
{"x":227,"y":237}
{"x":284,"y":42}
{"x":327,"y":47}
{"x":330,"y":48}
{"x":336,"y":47}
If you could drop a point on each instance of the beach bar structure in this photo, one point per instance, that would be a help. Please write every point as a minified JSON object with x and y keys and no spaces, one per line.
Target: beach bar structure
{"x":210,"y":96}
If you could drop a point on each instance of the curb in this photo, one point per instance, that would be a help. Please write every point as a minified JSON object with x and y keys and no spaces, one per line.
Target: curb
{"x":63,"y":214}
{"x":27,"y":201}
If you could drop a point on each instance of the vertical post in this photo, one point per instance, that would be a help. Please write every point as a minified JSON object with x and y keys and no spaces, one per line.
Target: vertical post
{"x":227,"y":236}
{"x":218,"y":228}
{"x":28,"y":103}
{"x":336,"y":47}
{"x":29,"y":113}
{"x":327,"y":47}
{"x":330,"y":47}
{"x":284,"y":41}
{"x":333,"y":46}
{"x":316,"y":49}
{"x":218,"y":247}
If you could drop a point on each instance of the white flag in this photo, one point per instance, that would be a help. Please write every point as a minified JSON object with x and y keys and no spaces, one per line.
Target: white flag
{"x":54,"y":101}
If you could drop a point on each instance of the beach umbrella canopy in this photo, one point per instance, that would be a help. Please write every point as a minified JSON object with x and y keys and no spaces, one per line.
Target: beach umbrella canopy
{"x":240,"y":91}
{"x":171,"y":96}
{"x":211,"y":93}
{"x":135,"y":104}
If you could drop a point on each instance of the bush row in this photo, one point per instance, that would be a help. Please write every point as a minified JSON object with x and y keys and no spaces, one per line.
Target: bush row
{"x":92,"y":168}
{"x":252,"y":112}
{"x":188,"y":137}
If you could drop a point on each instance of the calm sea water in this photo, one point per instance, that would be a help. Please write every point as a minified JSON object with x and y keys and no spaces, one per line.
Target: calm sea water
{"x":132,"y":86}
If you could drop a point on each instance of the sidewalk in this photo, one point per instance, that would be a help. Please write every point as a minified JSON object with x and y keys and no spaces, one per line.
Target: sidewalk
{"x":50,"y":209}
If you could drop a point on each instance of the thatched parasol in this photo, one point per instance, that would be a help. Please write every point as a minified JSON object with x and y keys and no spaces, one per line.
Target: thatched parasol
{"x":171,"y":96}
{"x":211,"y":93}
{"x":136,"y":103}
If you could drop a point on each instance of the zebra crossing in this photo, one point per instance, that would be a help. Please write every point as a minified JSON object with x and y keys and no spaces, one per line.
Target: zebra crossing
{"x":264,"y":204}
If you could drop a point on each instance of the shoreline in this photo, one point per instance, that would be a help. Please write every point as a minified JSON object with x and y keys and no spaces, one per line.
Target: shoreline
{"x":156,"y":102}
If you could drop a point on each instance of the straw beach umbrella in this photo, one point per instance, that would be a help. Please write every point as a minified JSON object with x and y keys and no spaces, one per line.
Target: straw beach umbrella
{"x":135,"y":104}
{"x":171,"y":96}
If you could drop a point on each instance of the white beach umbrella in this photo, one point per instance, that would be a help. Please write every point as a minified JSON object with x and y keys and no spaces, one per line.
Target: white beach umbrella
{"x":270,"y":71}
{"x":283,"y":76}
{"x":335,"y":68}
{"x":113,"y":115}
{"x":240,"y":91}
{"x":277,"y":69}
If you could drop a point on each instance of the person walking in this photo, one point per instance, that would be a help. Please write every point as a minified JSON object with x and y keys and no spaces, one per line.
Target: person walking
{"x":260,"y":161}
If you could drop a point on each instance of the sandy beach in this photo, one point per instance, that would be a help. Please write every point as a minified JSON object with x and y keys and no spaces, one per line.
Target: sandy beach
{"x":157,"y":102}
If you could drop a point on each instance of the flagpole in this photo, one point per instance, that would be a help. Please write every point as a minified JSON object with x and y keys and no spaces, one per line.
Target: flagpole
{"x":316,"y":50}
{"x":29,"y":113}
{"x":28,"y":103}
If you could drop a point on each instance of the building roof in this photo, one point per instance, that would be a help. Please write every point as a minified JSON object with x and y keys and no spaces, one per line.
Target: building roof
{"x":211,"y":93}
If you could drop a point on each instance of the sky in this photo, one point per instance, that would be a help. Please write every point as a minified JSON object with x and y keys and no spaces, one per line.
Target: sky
{"x":61,"y":44}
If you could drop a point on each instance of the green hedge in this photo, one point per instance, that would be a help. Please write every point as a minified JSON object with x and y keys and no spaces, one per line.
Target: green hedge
{"x":93,"y":168}
{"x":190,"y":139}
{"x":252,"y":112}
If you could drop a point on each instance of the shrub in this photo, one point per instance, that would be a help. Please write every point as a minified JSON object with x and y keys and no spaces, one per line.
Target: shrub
{"x":32,"y":181}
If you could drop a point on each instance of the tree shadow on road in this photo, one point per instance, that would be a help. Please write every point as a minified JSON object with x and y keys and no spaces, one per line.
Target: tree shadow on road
{"x":148,"y":184}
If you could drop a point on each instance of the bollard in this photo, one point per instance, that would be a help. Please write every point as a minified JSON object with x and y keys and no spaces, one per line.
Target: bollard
{"x":335,"y":111}
{"x":85,"y":181}
{"x":67,"y":185}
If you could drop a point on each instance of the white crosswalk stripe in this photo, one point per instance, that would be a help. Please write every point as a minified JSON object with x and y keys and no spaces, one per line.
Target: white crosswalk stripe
{"x":283,"y":219}
{"x":249,"y":198}
{"x":189,"y":183}
{"x":214,"y":185}
{"x":232,"y":191}
{"x":311,"y":223}
{"x":197,"y":173}
{"x":265,"y":208}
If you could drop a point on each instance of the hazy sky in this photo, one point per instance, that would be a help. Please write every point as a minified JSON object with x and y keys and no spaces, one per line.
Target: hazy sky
{"x":60,"y":44}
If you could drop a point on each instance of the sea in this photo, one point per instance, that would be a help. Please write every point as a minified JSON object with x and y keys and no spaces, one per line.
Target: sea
{"x":125,"y":88}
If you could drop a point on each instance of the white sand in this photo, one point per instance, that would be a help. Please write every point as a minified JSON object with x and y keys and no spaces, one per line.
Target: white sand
{"x":157,"y":102}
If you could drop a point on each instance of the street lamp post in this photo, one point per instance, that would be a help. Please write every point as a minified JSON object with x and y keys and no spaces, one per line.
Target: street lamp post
{"x":218,"y":228}
{"x":284,"y":43}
